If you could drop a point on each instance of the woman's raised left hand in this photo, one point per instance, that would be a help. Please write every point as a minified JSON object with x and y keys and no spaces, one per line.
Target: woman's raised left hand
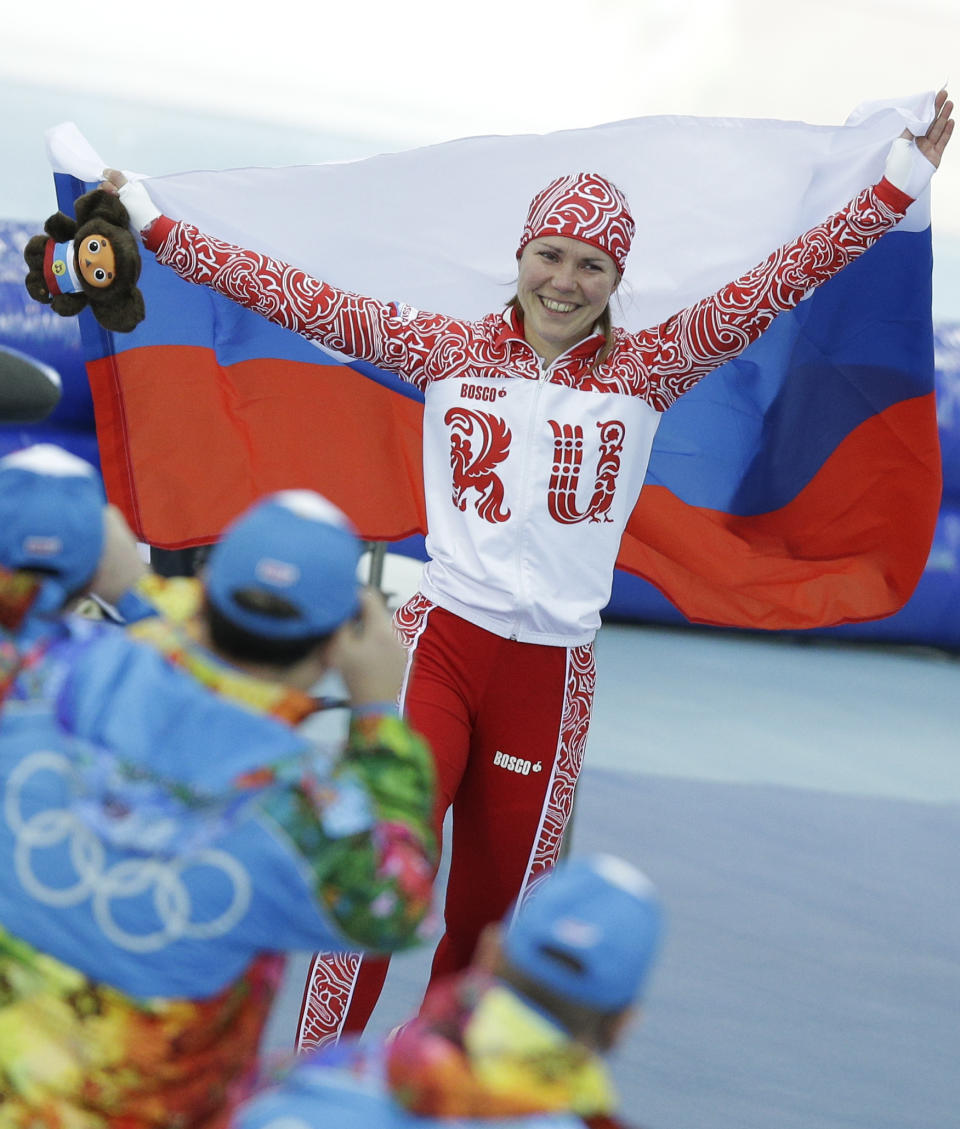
{"x":932,"y":143}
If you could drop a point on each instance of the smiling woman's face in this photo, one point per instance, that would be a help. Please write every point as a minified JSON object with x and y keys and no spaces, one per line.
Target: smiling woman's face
{"x":563,"y":288}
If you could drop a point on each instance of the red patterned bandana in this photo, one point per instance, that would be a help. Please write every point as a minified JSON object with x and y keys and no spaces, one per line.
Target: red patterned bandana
{"x":583,"y":206}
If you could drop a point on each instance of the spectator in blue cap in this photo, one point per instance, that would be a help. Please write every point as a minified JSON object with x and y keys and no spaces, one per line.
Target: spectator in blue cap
{"x":59,"y":538}
{"x":276,"y":588}
{"x":165,"y":837}
{"x":51,"y":523}
{"x":518,"y":1037}
{"x":276,"y":608}
{"x":583,"y":945}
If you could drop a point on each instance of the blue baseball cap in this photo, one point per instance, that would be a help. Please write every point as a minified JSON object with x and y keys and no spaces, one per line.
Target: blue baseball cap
{"x":589,"y":932}
{"x":296,"y":545}
{"x":51,"y":520}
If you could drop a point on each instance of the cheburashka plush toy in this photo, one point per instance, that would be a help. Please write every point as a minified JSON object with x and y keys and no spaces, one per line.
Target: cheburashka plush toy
{"x":92,"y":261}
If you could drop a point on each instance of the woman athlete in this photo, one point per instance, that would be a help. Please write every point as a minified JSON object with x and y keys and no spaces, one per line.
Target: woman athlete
{"x":537,"y":429}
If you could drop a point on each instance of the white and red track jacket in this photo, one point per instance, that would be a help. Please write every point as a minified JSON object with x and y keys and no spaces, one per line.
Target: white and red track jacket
{"x":531,"y":473}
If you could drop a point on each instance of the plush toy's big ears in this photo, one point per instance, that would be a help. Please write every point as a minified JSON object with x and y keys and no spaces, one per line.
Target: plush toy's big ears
{"x":92,"y":261}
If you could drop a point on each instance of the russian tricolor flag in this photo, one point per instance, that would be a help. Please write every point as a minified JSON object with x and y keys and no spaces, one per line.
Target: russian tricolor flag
{"x":795,"y":487}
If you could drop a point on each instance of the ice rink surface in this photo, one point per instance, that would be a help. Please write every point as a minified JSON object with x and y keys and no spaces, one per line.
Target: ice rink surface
{"x":798,"y":804}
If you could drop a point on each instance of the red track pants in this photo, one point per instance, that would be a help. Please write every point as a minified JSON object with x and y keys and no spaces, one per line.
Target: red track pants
{"x":507,"y":723}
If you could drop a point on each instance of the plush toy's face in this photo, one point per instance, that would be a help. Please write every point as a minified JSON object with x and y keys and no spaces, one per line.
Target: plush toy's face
{"x":95,"y":261}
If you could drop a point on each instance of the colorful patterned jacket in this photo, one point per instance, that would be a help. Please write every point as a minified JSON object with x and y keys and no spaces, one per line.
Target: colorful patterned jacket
{"x":355,"y":1095}
{"x":476,"y":1055}
{"x":159,"y":846}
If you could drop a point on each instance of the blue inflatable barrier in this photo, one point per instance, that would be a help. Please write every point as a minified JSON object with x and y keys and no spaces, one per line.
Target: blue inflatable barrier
{"x":947,"y":346}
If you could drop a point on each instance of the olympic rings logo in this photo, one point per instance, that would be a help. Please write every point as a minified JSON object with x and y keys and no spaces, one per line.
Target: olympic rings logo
{"x":103,"y":884}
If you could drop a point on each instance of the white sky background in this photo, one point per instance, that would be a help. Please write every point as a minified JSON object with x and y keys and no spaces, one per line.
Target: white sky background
{"x":415,"y":73}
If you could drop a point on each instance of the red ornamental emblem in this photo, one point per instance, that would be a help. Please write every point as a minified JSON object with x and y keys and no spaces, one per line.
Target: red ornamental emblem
{"x":479,"y":442}
{"x":565,"y":473}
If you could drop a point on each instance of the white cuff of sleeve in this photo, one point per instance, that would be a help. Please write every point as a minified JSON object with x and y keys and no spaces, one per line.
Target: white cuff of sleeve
{"x":140,"y":208}
{"x":907,"y":168}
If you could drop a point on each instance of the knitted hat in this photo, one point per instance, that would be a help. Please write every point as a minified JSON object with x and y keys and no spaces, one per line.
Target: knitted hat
{"x":589,"y":933}
{"x":586,"y":207}
{"x":295,"y":545}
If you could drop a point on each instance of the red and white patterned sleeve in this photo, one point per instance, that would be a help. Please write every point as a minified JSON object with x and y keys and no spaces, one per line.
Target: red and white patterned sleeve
{"x":392,"y":337}
{"x":683,"y":349}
